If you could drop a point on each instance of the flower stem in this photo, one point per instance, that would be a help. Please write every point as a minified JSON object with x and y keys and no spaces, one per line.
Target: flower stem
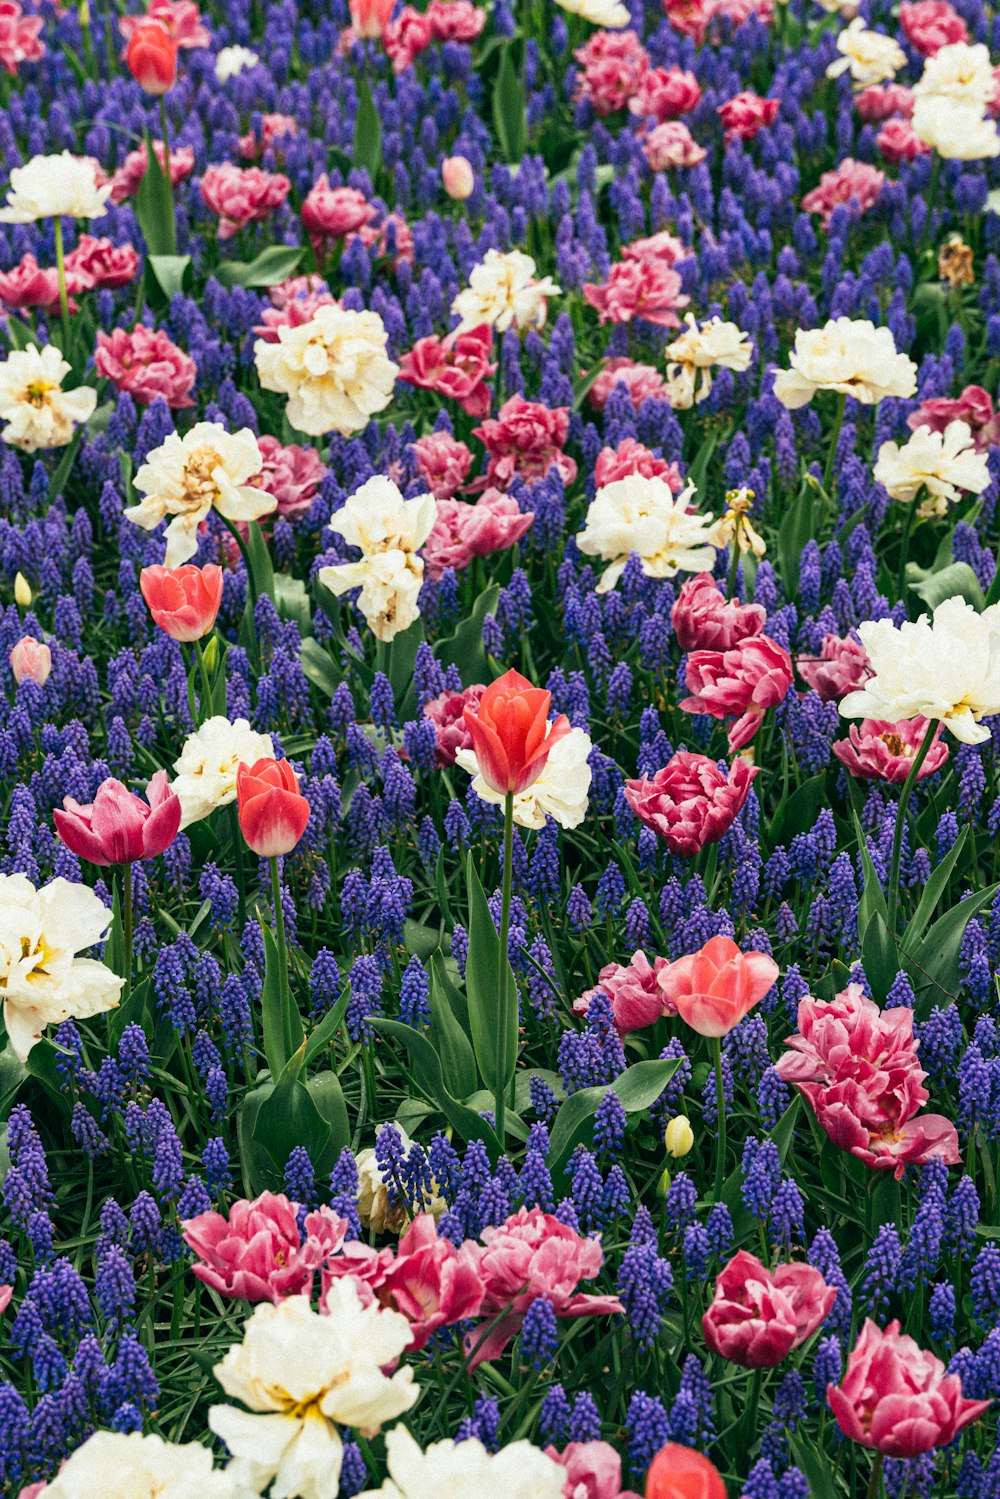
{"x":838,"y":422}
{"x":720,"y":1104}
{"x":61,"y":272}
{"x":127,"y":923}
{"x":875,"y":1482}
{"x":171,"y":225}
{"x":904,"y":548}
{"x":503,"y":967}
{"x":734,"y":563}
{"x":897,"y":837}
{"x":206,"y":690}
{"x":241,"y":879}
{"x":279,"y":935}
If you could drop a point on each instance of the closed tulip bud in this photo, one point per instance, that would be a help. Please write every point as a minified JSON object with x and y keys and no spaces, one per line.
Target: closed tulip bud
{"x":22,"y":592}
{"x":272,"y":810}
{"x":151,"y":58}
{"x":458,"y":177}
{"x":211,"y":654}
{"x":678,"y":1137}
{"x":663,"y":1185}
{"x":30,"y":658}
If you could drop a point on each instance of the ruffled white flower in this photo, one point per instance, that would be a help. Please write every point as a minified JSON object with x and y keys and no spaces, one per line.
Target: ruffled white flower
{"x":562,"y":790}
{"x":334,"y":370}
{"x":38,"y":412}
{"x":945,"y":464}
{"x":849,"y":356}
{"x":206,"y":768}
{"x":610,"y":13}
{"x":42,"y":981}
{"x":378,"y":1209}
{"x":49,"y":187}
{"x":119,"y":1465}
{"x":389,"y":530}
{"x":231,"y":61}
{"x":869,"y":56}
{"x":187,"y":477}
{"x":376,"y":518}
{"x":957,"y":132}
{"x":960,"y":72}
{"x":692,"y":356}
{"x":946,"y":667}
{"x":462,"y":1470}
{"x":644,"y":516}
{"x":504,"y":292}
{"x":301,"y":1376}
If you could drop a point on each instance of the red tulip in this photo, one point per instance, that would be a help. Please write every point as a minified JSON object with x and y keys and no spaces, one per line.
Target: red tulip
{"x":511,"y":734}
{"x":714,"y":988}
{"x":369,"y":18}
{"x":30,"y":658}
{"x":119,"y":827}
{"x":681,"y":1473}
{"x":184,"y":601}
{"x":152,"y":58}
{"x":273,"y":812}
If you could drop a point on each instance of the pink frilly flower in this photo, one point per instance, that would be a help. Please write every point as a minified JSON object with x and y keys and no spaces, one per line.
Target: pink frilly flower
{"x":593,"y":1471}
{"x":294,"y":309}
{"x":443,"y":463}
{"x":28,"y":285}
{"x":690,"y":17}
{"x":974,"y":406}
{"x":704,"y":619}
{"x":931,"y":25}
{"x":880,"y":751}
{"x":897,"y":141}
{"x":291,"y":473}
{"x":181,"y":19}
{"x":897,"y":1397}
{"x":455,"y":20}
{"x":881,"y":101}
{"x":258,"y":1254}
{"x":666,"y":94}
{"x":746,"y":114}
{"x":273,"y":128}
{"x":391,"y":238}
{"x":242,"y":195}
{"x":857,"y":1068}
{"x":612,"y":66}
{"x":532,"y":1254}
{"x":125,"y":182}
{"x":633,"y":457}
{"x":647,"y":289}
{"x":672,"y":145}
{"x":462,"y":531}
{"x":690,"y":802}
{"x":332,"y":213}
{"x":644,"y":382}
{"x":853,"y":182}
{"x":744,"y":681}
{"x":99,"y":262}
{"x":20,"y":37}
{"x":661,"y":246}
{"x":146,"y":364}
{"x":757,"y":1316}
{"x":447,"y":713}
{"x":841,"y":667}
{"x":431,"y":1282}
{"x":456,"y":366}
{"x":406,"y":37}
{"x":525,"y":440}
{"x":365,"y":1265}
{"x":6,"y":1292}
{"x":636,"y":998}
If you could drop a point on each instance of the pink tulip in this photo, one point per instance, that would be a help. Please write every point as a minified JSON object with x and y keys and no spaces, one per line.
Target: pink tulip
{"x":632,"y":457}
{"x":369,"y":18}
{"x":746,"y":114}
{"x":28,"y":285}
{"x":289,"y":472}
{"x":457,"y":366}
{"x":660,"y":246}
{"x":854,"y":183}
{"x":646,"y":289}
{"x":30,"y":659}
{"x":6,"y":1292}
{"x":431,"y":1282}
{"x":447,"y":713}
{"x":898,"y":141}
{"x":593,"y":1471}
{"x":259,"y":1254}
{"x":672,"y":145}
{"x":666,"y":93}
{"x":974,"y":406}
{"x":242,"y":195}
{"x":704,"y":619}
{"x":714,"y":988}
{"x":532,"y":1254}
{"x":146,"y":364}
{"x":758,"y":1316}
{"x":857,"y":1068}
{"x":878,"y":751}
{"x":331,"y":213}
{"x":841,"y":666}
{"x":273,"y":813}
{"x":458,"y":177}
{"x":690,"y":802}
{"x":462,"y":532}
{"x":879,"y":103}
{"x":406,"y":37}
{"x":19,"y":37}
{"x":612,"y":65}
{"x":635,"y":994}
{"x":511,"y":733}
{"x":126,"y":181}
{"x":644,"y":382}
{"x":100,"y":262}
{"x":455,"y":20}
{"x":747,"y":680}
{"x":897,"y":1398}
{"x":931,"y":25}
{"x":119,"y":827}
{"x":442,"y":463}
{"x":525,"y":440}
{"x":181,"y":20}
{"x":366,"y":1266}
{"x":183,"y":601}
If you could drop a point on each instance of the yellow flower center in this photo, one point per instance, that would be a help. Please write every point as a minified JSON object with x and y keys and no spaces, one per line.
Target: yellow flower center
{"x":36,"y":394}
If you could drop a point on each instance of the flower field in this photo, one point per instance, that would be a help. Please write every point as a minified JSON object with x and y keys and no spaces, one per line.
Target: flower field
{"x":500,"y":770}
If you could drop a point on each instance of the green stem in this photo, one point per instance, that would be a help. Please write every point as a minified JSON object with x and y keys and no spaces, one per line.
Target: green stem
{"x":206,"y":690}
{"x":897,"y":837}
{"x":734,"y":563}
{"x":904,"y":548}
{"x":127,"y":923}
{"x":875,"y":1482}
{"x":279,"y":934}
{"x":234,"y":532}
{"x":241,"y":879}
{"x":720,"y":1104}
{"x":63,"y":296}
{"x":838,"y":422}
{"x":171,"y":226}
{"x":503,"y":974}
{"x":931,"y":195}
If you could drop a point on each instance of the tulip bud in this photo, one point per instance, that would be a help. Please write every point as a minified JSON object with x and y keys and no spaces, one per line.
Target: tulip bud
{"x":30,"y":658}
{"x":211,"y":654}
{"x":678,"y":1137}
{"x":663,"y":1185}
{"x":458,"y":177}
{"x":22,"y":592}
{"x":272,"y":811}
{"x":152,"y":58}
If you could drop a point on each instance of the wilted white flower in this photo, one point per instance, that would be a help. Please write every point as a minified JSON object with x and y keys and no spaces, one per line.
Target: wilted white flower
{"x":231,"y":61}
{"x":42,"y":981}
{"x":376,"y":517}
{"x":206,"y":768}
{"x":609,"y":13}
{"x":186,"y":477}
{"x":38,"y":412}
{"x":334,"y":370}
{"x":692,"y":356}
{"x":120,"y":1465}
{"x":644,"y":516}
{"x":852,"y":357}
{"x":945,"y":464}
{"x":869,"y":56}
{"x":561,"y":791}
{"x":49,"y":187}
{"x":389,"y":530}
{"x":300,"y":1376}
{"x":946,"y":667}
{"x":449,"y":1469}
{"x":504,"y":292}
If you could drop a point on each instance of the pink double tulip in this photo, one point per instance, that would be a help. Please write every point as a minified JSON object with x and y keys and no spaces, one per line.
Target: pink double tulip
{"x":743,"y":682}
{"x":462,"y":532}
{"x":119,"y":827}
{"x":758,"y":1316}
{"x":690,"y":802}
{"x":841,"y":666}
{"x":593,"y":1471}
{"x":447,"y":713}
{"x":634,"y":991}
{"x":184,"y":601}
{"x":431,"y":1282}
{"x":714,"y":988}
{"x":897,"y":1398}
{"x":878,"y":751}
{"x":258,"y":1254}
{"x":30,"y":659}
{"x":457,"y":366}
{"x":705,"y":620}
